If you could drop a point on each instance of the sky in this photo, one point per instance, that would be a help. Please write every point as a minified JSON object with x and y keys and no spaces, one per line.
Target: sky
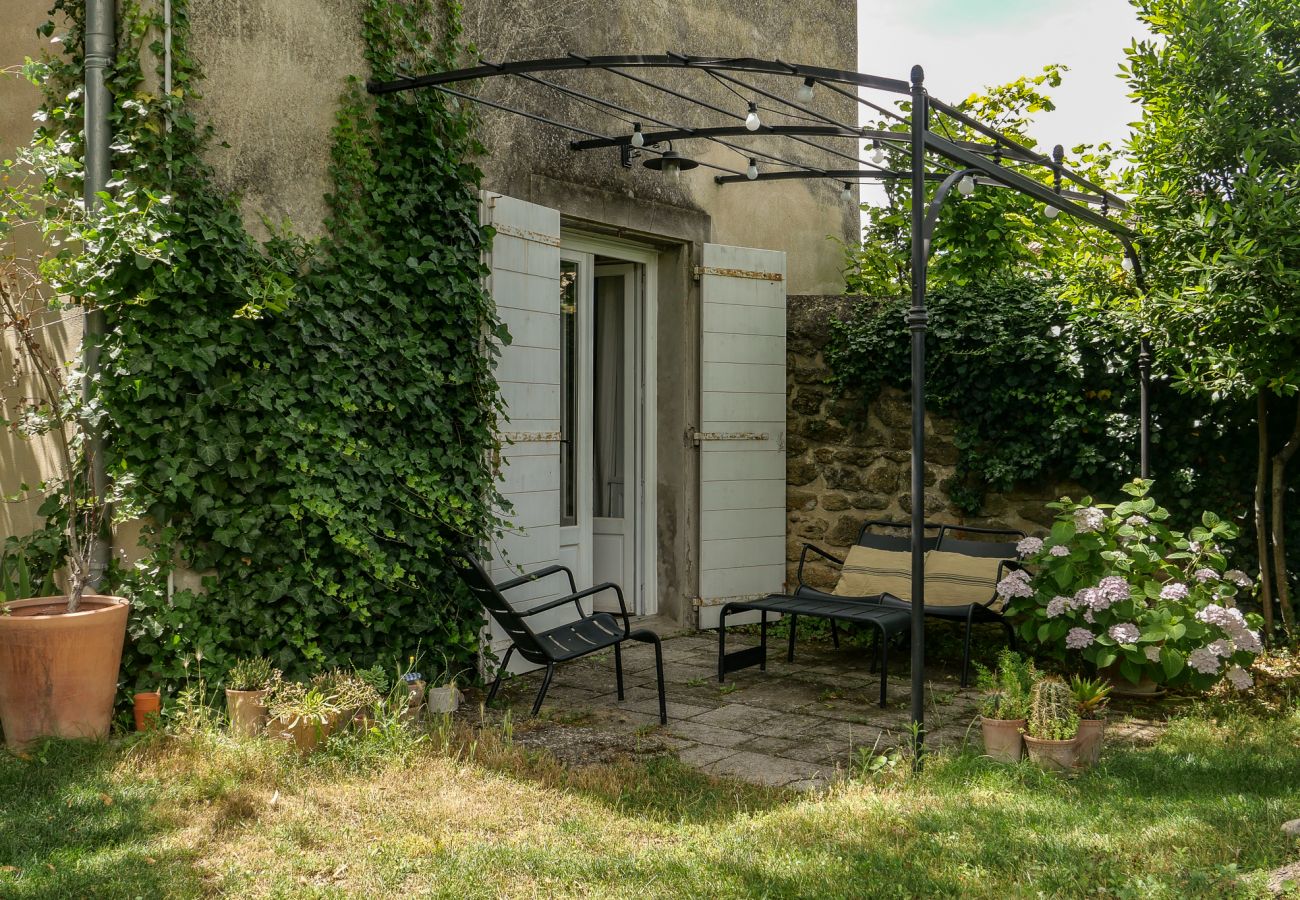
{"x":965,"y":45}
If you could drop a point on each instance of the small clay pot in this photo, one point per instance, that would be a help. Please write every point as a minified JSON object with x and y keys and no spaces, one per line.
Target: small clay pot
{"x":1053,"y":756}
{"x":1003,"y":741}
{"x":247,"y":711}
{"x":1122,"y":687}
{"x":1090,"y":739}
{"x":443,"y":699}
{"x":147,"y":706}
{"x":304,"y":734}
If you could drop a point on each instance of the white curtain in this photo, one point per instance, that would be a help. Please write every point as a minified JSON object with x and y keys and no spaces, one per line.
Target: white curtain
{"x":609,"y":409}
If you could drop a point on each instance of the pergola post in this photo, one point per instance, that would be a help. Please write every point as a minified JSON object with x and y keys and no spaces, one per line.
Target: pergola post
{"x":916,"y":321}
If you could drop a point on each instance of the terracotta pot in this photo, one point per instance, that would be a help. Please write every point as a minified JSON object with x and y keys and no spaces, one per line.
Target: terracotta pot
{"x":304,"y":735}
{"x":1003,"y":741}
{"x":58,"y":670}
{"x":247,"y":711}
{"x":147,"y":705}
{"x":1090,"y":738}
{"x":1053,"y":756}
{"x":1122,"y":687}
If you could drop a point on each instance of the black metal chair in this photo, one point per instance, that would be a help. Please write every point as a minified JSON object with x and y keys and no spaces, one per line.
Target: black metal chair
{"x":585,"y":635}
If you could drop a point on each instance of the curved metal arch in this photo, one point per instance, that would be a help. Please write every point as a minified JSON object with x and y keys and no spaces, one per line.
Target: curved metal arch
{"x":641,"y":61}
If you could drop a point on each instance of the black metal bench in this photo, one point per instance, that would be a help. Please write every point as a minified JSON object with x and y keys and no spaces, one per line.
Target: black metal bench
{"x":887,"y":621}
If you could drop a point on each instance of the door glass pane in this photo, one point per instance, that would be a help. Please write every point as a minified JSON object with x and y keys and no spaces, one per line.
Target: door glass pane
{"x":608,"y":406}
{"x":568,"y":390}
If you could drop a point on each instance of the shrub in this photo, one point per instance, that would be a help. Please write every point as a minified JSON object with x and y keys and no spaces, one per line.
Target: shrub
{"x":1114,"y":584}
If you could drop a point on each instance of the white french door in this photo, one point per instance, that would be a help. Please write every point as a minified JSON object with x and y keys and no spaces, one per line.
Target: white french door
{"x":602,"y":461}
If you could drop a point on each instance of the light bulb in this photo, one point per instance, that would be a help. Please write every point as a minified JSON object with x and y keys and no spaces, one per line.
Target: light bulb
{"x":752,"y":172}
{"x":1051,"y":212}
{"x":1127,"y":264}
{"x":751,"y":121}
{"x":878,"y":155}
{"x":847,"y":194}
{"x":966,"y":186}
{"x":674,"y":171}
{"x":806,"y":91}
{"x":638,"y":139}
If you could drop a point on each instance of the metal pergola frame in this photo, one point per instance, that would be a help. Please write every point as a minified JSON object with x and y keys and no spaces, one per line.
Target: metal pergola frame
{"x":987,"y":164}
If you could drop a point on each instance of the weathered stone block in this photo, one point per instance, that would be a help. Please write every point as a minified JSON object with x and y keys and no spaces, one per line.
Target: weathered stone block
{"x":870,"y":501}
{"x":834,"y":502}
{"x":800,"y":500}
{"x":808,"y":400}
{"x":794,"y":445}
{"x":799,"y":471}
{"x":935,"y":503}
{"x":844,"y":533}
{"x":844,"y":478}
{"x":884,"y":478}
{"x":811,"y":530}
{"x":824,"y":455}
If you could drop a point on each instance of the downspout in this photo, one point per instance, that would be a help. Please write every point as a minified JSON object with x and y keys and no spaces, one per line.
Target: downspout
{"x":99,"y":54}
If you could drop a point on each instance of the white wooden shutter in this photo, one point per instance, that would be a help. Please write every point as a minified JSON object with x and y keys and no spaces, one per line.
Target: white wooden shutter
{"x":742,"y":427}
{"x":525,"y":284}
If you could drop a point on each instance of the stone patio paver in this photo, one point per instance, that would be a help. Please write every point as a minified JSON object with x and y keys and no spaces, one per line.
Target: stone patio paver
{"x":797,"y":725}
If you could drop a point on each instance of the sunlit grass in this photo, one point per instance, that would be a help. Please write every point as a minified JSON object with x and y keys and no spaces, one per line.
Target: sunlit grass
{"x":465,"y":813}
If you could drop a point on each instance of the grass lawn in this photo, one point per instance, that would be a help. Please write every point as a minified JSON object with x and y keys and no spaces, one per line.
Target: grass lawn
{"x":471,"y":815}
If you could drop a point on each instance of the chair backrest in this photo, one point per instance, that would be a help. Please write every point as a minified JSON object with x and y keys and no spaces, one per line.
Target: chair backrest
{"x":979,"y":546}
{"x":900,"y":539}
{"x":485,"y":591}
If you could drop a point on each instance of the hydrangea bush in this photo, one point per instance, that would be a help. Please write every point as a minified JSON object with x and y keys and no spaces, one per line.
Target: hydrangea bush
{"x":1114,"y":584}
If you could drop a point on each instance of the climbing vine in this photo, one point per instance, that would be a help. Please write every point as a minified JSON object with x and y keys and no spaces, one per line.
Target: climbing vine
{"x":308,"y":425}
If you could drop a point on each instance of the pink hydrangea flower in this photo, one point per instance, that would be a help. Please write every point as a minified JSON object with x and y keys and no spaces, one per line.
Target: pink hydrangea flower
{"x":1136,"y":521}
{"x":1078,"y":638}
{"x":1090,"y":518}
{"x":1152,"y":652}
{"x":1016,"y":584}
{"x":1203,"y":661}
{"x":1113,"y":588}
{"x":1204,"y":575}
{"x":1029,"y":546}
{"x":1220,"y":648}
{"x":1057,"y":605}
{"x":1060,"y":550}
{"x":1174,"y":590}
{"x":1125,"y":633}
{"x":1240,"y":678}
{"x":1238,"y":577}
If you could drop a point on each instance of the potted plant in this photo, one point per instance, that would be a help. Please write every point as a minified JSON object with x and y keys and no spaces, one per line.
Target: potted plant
{"x":1091,"y":695}
{"x":1052,"y":732}
{"x":60,"y":654}
{"x":1005,"y":705}
{"x":248,"y":682}
{"x":302,"y":714}
{"x":1145,"y":604}
{"x":443,"y":693}
{"x":354,"y":696}
{"x":146,"y":707}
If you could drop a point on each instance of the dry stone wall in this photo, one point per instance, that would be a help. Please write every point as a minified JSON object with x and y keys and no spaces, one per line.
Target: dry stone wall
{"x":848,"y":458}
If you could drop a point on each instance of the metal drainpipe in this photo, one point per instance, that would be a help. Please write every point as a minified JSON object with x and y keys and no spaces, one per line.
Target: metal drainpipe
{"x":99,"y":54}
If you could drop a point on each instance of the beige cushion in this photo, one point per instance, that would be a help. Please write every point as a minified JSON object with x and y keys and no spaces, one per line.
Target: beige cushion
{"x":954,"y":579}
{"x":868,"y":571}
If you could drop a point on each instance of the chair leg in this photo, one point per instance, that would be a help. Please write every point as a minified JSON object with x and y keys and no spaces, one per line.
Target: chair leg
{"x":546,"y":683}
{"x":877,"y":637}
{"x":835,"y":634}
{"x":659,"y":674}
{"x":618,"y":669}
{"x":883,"y":640}
{"x":496,"y":682}
{"x":762,"y":643}
{"x":722,"y":645}
{"x":794,"y":626}
{"x":965,"y":650}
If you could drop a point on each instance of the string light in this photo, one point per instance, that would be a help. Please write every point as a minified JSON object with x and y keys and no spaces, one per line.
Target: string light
{"x":805,"y":94}
{"x":966,"y":186}
{"x":752,"y":122}
{"x":1127,"y":264}
{"x":847,"y":194}
{"x":752,"y":172}
{"x":878,"y":155}
{"x":638,"y":139}
{"x":1051,"y":212}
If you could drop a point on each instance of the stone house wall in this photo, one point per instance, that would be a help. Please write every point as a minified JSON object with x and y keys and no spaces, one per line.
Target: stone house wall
{"x":848,"y":460}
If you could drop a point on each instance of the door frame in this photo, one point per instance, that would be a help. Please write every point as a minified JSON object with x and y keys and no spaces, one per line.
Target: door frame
{"x":646,"y":592}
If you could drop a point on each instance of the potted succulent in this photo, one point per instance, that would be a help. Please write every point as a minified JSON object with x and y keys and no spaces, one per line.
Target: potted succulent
{"x":444,"y":694}
{"x":302,"y":714}
{"x":354,"y":695}
{"x":60,"y":654}
{"x":1091,"y":695}
{"x":1004,"y":705}
{"x":1052,"y":731}
{"x":248,"y":682}
{"x":1145,"y":604}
